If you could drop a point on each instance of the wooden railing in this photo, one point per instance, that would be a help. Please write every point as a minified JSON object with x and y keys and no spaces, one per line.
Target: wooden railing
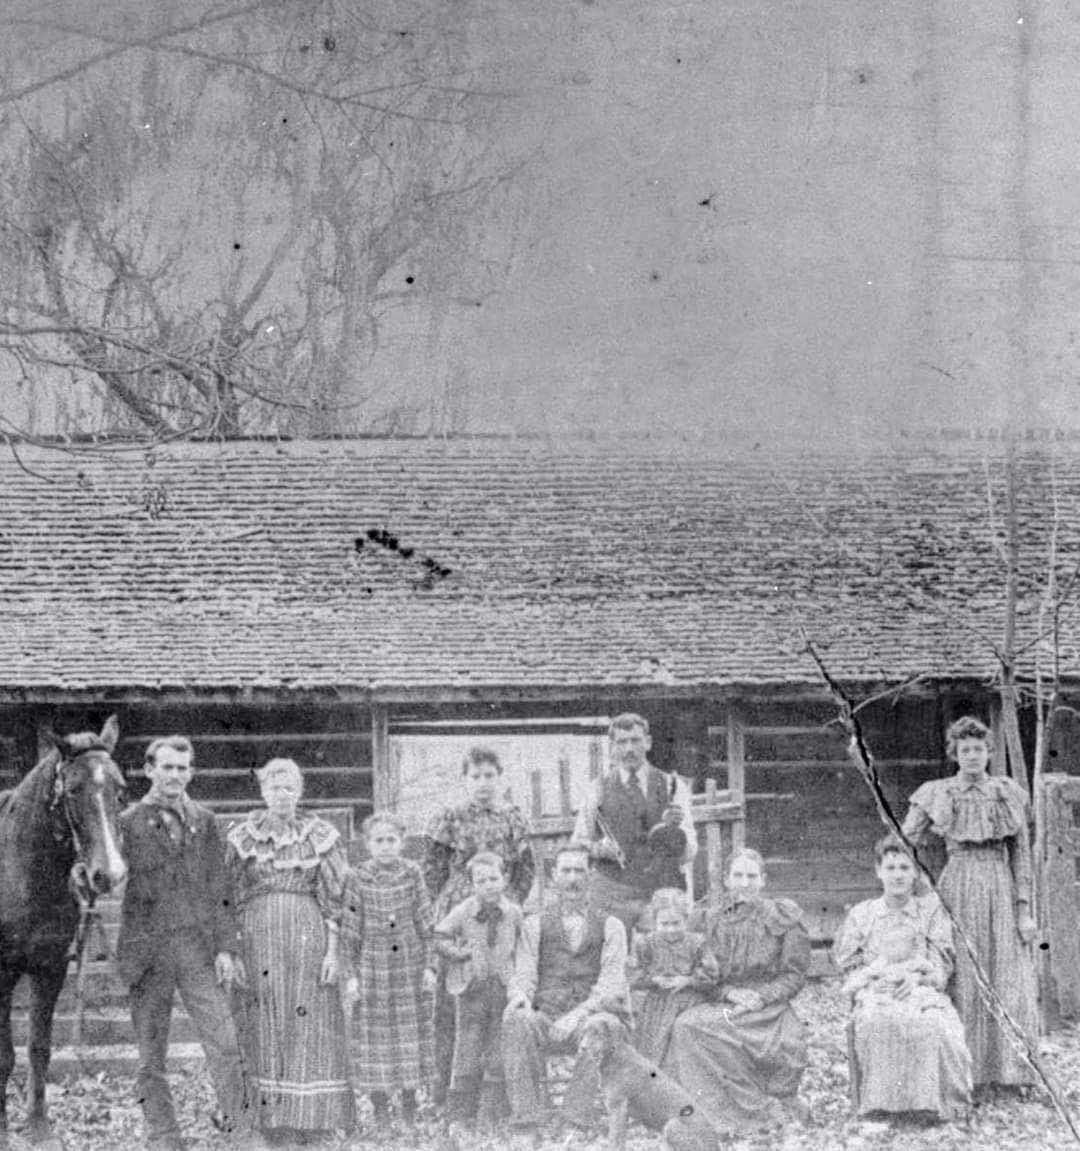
{"x":719,"y":811}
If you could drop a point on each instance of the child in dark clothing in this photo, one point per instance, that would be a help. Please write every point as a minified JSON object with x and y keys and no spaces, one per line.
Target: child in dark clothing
{"x":478,"y":938}
{"x":674,"y":969}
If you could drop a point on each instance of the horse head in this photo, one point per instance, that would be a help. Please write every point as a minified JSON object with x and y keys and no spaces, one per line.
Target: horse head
{"x":87,"y":790}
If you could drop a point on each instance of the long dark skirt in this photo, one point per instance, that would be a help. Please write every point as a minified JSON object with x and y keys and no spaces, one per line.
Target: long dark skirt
{"x":655,"y":1014}
{"x":738,"y":1067}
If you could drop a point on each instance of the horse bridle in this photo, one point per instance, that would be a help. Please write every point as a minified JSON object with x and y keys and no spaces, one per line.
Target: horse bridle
{"x":79,"y":884}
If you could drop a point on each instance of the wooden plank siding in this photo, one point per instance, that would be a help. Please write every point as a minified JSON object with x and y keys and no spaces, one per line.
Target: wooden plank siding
{"x":332,"y":745}
{"x":808,"y":810}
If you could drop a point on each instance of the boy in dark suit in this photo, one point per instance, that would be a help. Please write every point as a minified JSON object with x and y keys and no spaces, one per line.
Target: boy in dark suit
{"x":177,"y":932}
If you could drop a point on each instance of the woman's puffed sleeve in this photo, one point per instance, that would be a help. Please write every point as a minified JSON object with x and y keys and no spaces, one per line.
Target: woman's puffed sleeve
{"x":848,"y":951}
{"x":917,"y":822}
{"x":793,"y":961}
{"x":849,"y":948}
{"x":1019,"y":846}
{"x":330,"y":882}
{"x":424,"y":917}
{"x":352,"y":923}
{"x":939,"y":944}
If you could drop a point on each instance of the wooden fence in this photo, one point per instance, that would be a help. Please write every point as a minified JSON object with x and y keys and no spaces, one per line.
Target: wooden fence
{"x":719,"y":812}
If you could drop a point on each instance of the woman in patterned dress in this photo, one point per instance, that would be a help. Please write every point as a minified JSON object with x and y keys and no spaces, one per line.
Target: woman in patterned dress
{"x":986,"y":883}
{"x":907,"y":1042}
{"x":387,"y":928}
{"x":484,"y":822}
{"x":742,"y":1055}
{"x":289,"y":874}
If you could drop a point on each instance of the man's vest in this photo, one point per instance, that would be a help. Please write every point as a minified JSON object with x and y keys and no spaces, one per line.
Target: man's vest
{"x":628,"y":816}
{"x":565,"y":977}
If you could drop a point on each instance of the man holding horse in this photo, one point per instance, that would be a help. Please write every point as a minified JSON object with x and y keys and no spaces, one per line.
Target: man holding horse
{"x":177,"y":933}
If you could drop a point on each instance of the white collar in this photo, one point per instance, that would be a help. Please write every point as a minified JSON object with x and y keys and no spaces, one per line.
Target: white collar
{"x":642,"y":780}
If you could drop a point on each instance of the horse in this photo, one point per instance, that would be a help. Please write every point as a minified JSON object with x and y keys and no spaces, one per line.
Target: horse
{"x":59,"y":850}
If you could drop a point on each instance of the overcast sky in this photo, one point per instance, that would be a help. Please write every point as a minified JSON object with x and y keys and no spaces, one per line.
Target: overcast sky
{"x":738,"y":221}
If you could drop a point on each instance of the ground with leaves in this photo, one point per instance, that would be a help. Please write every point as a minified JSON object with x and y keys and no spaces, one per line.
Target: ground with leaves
{"x":99,"y":1111}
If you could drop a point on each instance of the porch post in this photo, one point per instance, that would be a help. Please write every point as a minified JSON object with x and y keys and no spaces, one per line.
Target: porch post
{"x":736,"y":776}
{"x":386,"y":776}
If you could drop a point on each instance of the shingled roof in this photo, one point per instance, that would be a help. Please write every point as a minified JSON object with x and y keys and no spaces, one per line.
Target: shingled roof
{"x":390,"y":565}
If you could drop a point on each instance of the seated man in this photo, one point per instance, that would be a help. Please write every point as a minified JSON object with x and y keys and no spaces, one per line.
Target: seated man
{"x":570,"y":964}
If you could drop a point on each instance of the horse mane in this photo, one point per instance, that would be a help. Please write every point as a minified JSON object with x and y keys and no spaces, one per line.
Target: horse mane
{"x":35,"y":788}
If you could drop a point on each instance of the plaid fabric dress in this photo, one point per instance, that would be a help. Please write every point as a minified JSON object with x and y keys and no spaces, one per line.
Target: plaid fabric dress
{"x":386,"y":930}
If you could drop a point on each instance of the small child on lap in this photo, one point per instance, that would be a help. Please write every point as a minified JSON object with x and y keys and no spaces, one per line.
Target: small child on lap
{"x":898,"y":961}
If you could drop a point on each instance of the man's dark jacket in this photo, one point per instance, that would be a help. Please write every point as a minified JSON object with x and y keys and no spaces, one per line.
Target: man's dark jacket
{"x":172,"y":888}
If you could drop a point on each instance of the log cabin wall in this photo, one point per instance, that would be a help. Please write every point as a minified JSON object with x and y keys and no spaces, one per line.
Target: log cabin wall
{"x":331,"y":743}
{"x":808,"y":810}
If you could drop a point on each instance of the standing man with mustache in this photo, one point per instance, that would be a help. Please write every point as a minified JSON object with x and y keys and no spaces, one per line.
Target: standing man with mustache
{"x":637,"y":823}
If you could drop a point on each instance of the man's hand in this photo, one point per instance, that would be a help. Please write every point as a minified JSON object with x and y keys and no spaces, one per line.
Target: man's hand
{"x":228,"y":971}
{"x":605,"y":849}
{"x":745,"y":999}
{"x":906,"y":986}
{"x":565,"y":1026}
{"x":671,"y":982}
{"x":350,"y":993}
{"x":518,"y":1003}
{"x":328,"y":974}
{"x":673,"y":816}
{"x":1026,"y":927}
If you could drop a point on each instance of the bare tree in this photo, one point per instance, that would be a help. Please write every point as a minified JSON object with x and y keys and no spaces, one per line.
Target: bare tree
{"x":209,"y":224}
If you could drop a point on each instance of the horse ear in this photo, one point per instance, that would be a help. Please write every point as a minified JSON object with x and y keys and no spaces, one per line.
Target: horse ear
{"x":60,"y":742}
{"x":110,"y":733}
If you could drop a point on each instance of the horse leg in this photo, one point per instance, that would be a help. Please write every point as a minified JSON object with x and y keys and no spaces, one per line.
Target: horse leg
{"x":8,"y":979}
{"x":45,"y":985}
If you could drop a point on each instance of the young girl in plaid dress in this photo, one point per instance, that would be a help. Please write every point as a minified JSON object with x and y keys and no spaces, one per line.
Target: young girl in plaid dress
{"x":386,"y":932}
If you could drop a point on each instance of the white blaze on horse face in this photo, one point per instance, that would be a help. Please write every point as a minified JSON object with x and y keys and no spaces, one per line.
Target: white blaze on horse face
{"x":115,"y":868}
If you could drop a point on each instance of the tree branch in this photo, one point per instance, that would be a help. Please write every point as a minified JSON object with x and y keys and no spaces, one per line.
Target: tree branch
{"x":122,"y":46}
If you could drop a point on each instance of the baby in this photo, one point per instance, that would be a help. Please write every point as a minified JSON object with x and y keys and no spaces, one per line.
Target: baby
{"x":897,"y":960}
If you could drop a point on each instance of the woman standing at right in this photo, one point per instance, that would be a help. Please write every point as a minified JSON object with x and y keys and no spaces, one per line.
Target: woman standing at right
{"x":986,"y":883}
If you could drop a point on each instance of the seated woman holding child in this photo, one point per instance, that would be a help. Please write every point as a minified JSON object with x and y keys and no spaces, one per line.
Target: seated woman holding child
{"x":907,"y":1052}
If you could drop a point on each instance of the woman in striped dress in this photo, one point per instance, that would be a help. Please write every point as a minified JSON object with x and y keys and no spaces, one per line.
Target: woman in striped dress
{"x":986,"y":883}
{"x":387,"y":927}
{"x":289,"y":875}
